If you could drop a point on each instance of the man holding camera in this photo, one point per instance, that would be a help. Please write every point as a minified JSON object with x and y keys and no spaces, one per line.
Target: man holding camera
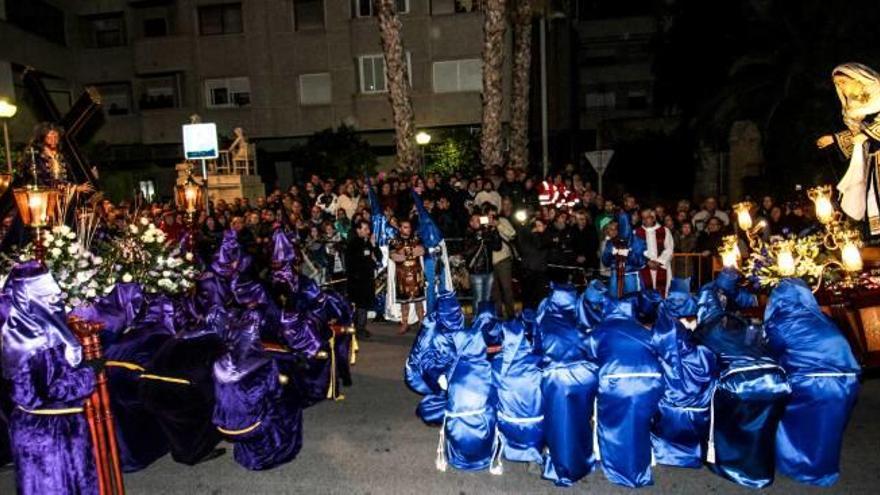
{"x":481,"y":240}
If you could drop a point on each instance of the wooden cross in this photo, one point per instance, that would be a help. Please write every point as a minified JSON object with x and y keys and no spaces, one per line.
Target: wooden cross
{"x":81,"y":116}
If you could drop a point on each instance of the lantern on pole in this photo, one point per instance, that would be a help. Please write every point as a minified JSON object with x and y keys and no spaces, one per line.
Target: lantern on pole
{"x":821,"y":198}
{"x":190,"y":195}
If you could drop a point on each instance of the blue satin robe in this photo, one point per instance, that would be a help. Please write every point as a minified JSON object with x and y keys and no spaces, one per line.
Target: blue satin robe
{"x":517,"y":375}
{"x":824,"y":378}
{"x":568,"y":385}
{"x":749,"y":399}
{"x":468,"y":436}
{"x":681,"y":427}
{"x":630,"y":387}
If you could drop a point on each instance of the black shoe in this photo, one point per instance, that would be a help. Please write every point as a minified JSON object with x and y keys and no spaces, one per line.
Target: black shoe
{"x":364,"y":334}
{"x":210,"y":456}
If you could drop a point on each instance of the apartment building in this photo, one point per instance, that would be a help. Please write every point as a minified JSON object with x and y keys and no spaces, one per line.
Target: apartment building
{"x":280,"y":69}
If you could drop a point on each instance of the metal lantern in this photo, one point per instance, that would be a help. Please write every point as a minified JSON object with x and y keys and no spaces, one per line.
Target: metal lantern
{"x":190,"y":195}
{"x":38,"y":206}
{"x":5,"y":181}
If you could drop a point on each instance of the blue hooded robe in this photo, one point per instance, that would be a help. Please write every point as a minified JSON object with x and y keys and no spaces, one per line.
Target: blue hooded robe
{"x":824,"y":378}
{"x":630,"y":387}
{"x":432,"y":356}
{"x":568,"y":385}
{"x":467,"y":437}
{"x":749,"y":398}
{"x":681,"y":427}
{"x":517,"y":374}
{"x":635,"y":259}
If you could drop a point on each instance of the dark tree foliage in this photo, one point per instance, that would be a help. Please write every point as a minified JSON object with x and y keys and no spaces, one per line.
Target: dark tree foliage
{"x":339,"y":152}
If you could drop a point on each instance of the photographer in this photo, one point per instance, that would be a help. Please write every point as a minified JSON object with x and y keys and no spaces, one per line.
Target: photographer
{"x":533,"y":243}
{"x":481,"y":240}
{"x":502,"y":263}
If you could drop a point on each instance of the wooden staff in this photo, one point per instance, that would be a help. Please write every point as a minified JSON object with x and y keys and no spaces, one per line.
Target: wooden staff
{"x":99,"y":414}
{"x":621,"y":266}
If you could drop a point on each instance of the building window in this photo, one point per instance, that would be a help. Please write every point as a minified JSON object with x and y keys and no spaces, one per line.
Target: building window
{"x":38,"y":17}
{"x":104,"y":30}
{"x":605,"y":99}
{"x":228,"y":92}
{"x":155,"y":27}
{"x":159,"y":91}
{"x":458,"y":75}
{"x":308,"y":14}
{"x":365,"y":8}
{"x":220,"y":19}
{"x":115,"y":97}
{"x":372,"y":72}
{"x":315,"y":89}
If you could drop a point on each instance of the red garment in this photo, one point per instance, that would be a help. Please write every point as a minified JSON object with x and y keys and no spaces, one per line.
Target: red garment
{"x":173,"y":232}
{"x":653,"y":279}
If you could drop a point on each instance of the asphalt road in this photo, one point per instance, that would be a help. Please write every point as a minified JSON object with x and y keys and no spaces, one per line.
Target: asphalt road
{"x":372,"y":443}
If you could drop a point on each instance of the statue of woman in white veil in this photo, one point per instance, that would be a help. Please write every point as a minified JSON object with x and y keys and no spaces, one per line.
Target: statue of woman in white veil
{"x":858,"y":88}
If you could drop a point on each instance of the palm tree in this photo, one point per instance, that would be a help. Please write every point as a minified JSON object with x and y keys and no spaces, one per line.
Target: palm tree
{"x":398,"y":84}
{"x":493,"y":94}
{"x":521,"y":18}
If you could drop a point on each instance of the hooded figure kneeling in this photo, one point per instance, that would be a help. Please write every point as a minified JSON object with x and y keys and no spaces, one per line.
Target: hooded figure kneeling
{"x":824,"y":378}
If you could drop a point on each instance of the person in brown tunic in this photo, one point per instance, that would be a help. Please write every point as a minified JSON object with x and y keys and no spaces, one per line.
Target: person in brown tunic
{"x":406,"y":251}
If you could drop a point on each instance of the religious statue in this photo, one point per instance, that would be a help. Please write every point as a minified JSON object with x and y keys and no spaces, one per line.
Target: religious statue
{"x":51,"y":167}
{"x":858,"y":88}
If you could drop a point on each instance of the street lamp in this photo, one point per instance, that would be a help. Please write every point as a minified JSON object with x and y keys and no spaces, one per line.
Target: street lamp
{"x":422,"y":139}
{"x":7,"y":111}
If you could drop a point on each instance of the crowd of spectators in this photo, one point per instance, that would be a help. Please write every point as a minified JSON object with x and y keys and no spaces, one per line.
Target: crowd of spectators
{"x":529,"y":244}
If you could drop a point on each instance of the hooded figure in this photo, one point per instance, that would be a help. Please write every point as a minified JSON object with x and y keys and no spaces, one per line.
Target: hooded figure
{"x":592,"y":304}
{"x":568,"y":386}
{"x":432,"y":356}
{"x":749,"y":398}
{"x":250,"y":411}
{"x":824,"y":378}
{"x":632,"y":248}
{"x":177,"y":388}
{"x":467,"y":437}
{"x":137,"y":326}
{"x":309,"y":367}
{"x":730,"y":293}
{"x":681,"y":426}
{"x":487,"y":323}
{"x":436,"y":260}
{"x":630,"y":387}
{"x":517,"y":375}
{"x":42,"y":363}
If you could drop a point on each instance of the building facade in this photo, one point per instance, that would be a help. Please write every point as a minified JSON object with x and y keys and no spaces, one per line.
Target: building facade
{"x":280,"y":69}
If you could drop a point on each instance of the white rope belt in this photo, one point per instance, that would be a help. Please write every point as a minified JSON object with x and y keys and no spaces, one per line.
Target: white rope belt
{"x":472,"y":412}
{"x":750,"y":368}
{"x":530,"y":420}
{"x":631,"y":375}
{"x":828,"y":374}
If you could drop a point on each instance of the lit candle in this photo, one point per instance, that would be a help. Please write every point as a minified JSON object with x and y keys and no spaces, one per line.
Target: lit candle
{"x":785,"y":260}
{"x":821,"y":197}
{"x":743,"y":215}
{"x":850,"y":257}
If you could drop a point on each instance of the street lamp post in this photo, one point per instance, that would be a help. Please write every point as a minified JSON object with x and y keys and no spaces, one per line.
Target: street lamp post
{"x":422,"y":139}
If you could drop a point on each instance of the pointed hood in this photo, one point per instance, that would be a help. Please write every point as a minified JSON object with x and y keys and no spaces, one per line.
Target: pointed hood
{"x":709,"y":306}
{"x":35,"y":319}
{"x":228,"y":256}
{"x":449,"y":313}
{"x":679,"y":301}
{"x":619,"y":309}
{"x":592,"y":303}
{"x":282,"y":250}
{"x":383,"y":230}
{"x":429,"y":234}
{"x":790,"y":298}
{"x":486,"y":322}
{"x":562,"y":303}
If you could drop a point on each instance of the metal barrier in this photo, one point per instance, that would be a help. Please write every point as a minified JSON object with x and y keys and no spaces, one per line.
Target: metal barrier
{"x":687,"y":265}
